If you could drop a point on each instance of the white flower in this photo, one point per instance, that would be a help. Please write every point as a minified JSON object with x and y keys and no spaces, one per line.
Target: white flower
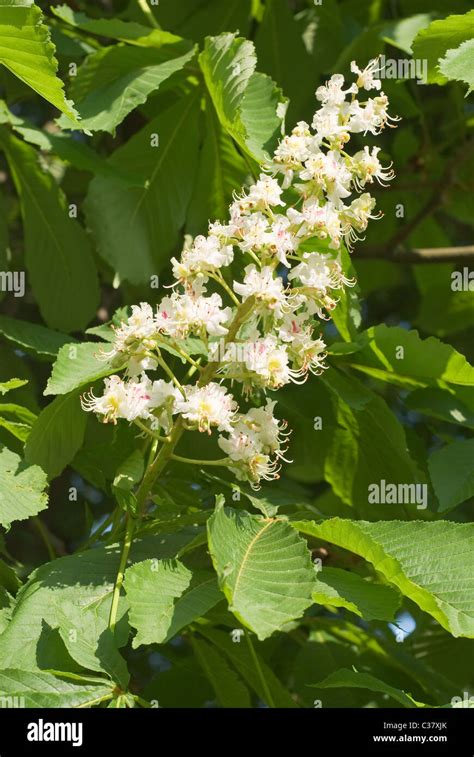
{"x":366,"y":167}
{"x":136,"y":333}
{"x":319,"y":220}
{"x":182,"y":314}
{"x":206,"y":406}
{"x":268,"y":359}
{"x":332,"y":93}
{"x":329,"y":170}
{"x":318,"y":271}
{"x":281,"y":239}
{"x":206,"y":255}
{"x":267,"y":288}
{"x":254,"y":232}
{"x":265,"y":192}
{"x":366,"y":78}
{"x":119,"y":400}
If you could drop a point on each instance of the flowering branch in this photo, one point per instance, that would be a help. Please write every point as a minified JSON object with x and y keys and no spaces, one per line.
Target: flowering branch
{"x":293,"y":224}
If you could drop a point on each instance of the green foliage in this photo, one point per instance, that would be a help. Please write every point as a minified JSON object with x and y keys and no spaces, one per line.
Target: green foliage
{"x":125,"y":127}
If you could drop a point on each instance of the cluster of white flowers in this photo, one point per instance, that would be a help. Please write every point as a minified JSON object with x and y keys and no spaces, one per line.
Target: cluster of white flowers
{"x":286,"y":234}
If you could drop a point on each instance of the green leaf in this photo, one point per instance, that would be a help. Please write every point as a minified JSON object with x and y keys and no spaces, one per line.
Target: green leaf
{"x":21,"y":427}
{"x":152,"y":587}
{"x":221,"y":170}
{"x":148,"y":220}
{"x":264,"y":571}
{"x":458,"y":64}
{"x":367,"y":445}
{"x":279,"y":41}
{"x":33,"y":337}
{"x":347,"y":314}
{"x":198,"y":18}
{"x":443,"y":405}
{"x":58,"y":255}
{"x":21,"y":488}
{"x":452,"y":473}
{"x":89,"y":643}
{"x":249,"y":105}
{"x":230,"y":691}
{"x":430,"y":563}
{"x":14,"y":383}
{"x":42,"y":689}
{"x":115,"y":80}
{"x":354,"y":679}
{"x":130,"y":471}
{"x":244,"y":662}
{"x":27,"y":51}
{"x":393,"y":354}
{"x":115,"y":28}
{"x":432,"y":43}
{"x":78,"y":365}
{"x":340,"y":588}
{"x":85,"y":579}
{"x":67,"y":148}
{"x":57,"y":434}
{"x":202,"y":595}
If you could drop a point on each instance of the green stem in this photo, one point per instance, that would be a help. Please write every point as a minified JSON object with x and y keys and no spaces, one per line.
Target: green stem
{"x":170,"y":374}
{"x":45,"y":536}
{"x":259,"y":670}
{"x":220,"y":280}
{"x":148,"y":13}
{"x":223,"y":461}
{"x":151,"y":433}
{"x":151,"y":474}
{"x":121,"y":572}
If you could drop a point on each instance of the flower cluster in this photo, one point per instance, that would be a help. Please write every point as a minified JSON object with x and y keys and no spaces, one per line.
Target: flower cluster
{"x":285,"y":234}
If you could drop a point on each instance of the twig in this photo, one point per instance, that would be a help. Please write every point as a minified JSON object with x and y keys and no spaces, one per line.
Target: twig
{"x":419,"y":254}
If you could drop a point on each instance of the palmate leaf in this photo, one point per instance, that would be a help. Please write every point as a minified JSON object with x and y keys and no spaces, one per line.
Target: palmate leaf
{"x":353,"y":679}
{"x":264,"y":571}
{"x":249,"y":105}
{"x":21,"y":488}
{"x":148,"y":220}
{"x":27,"y":51}
{"x":42,"y":689}
{"x":57,"y":434}
{"x":437,"y":574}
{"x":115,"y":80}
{"x":201,"y":596}
{"x":58,"y":255}
{"x":341,"y":588}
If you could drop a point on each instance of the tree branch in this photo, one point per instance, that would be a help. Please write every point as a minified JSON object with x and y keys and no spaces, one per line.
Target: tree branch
{"x":418,"y":255}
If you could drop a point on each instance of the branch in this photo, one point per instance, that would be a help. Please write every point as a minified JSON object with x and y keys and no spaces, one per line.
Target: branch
{"x":418,"y":254}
